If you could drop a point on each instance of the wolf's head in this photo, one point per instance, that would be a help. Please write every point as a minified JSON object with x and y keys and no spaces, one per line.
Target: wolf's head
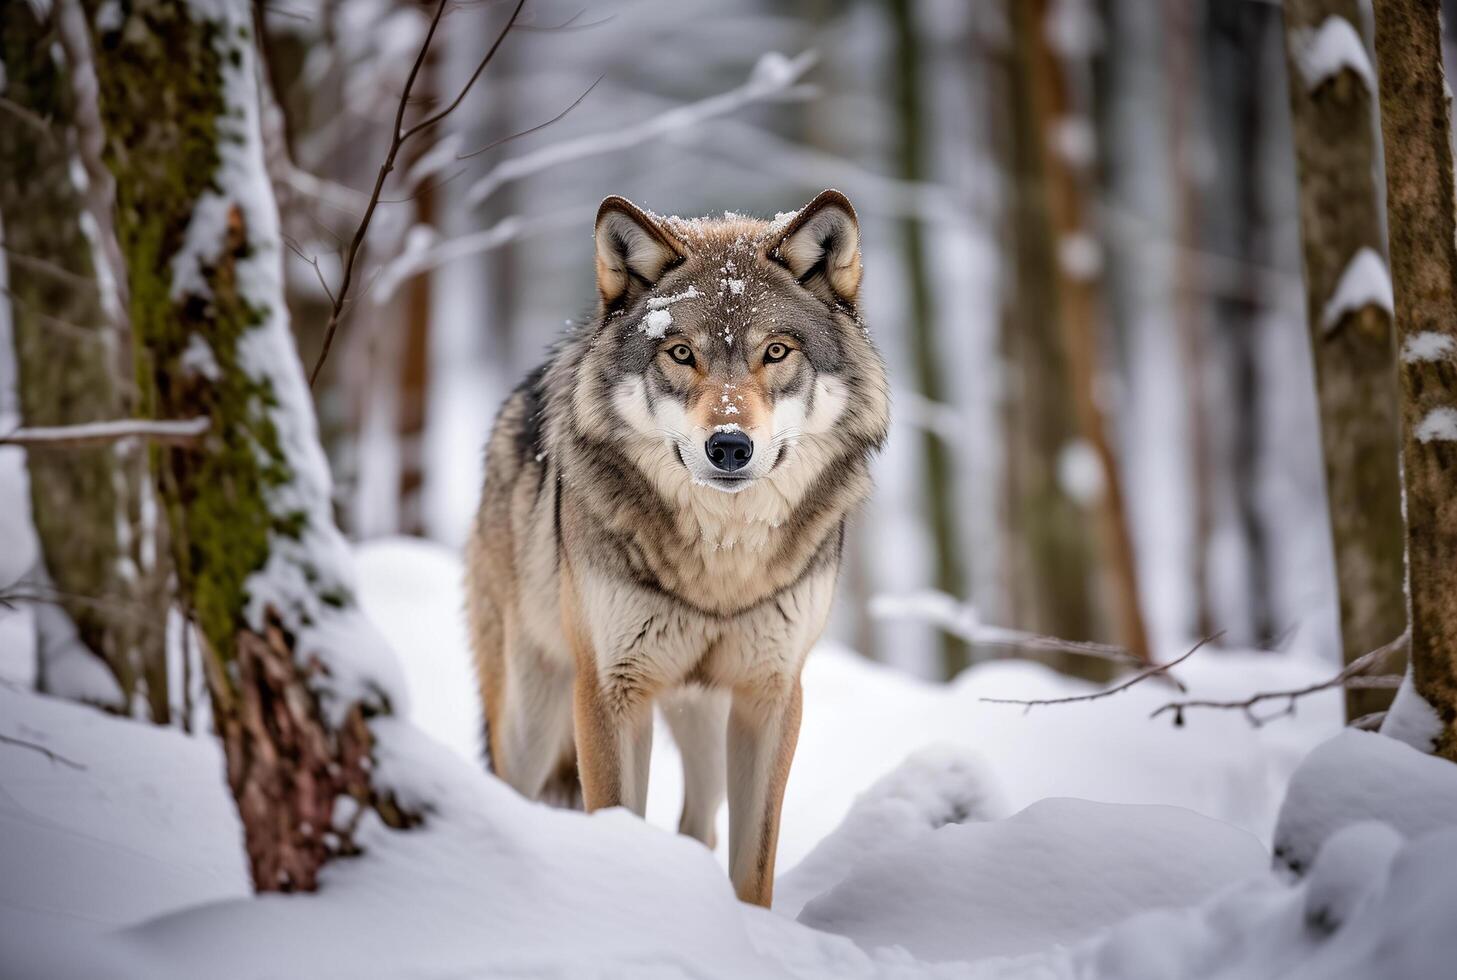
{"x":731,"y":350}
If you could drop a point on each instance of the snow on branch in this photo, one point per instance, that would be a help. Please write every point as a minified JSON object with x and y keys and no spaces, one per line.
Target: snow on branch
{"x":1138,"y":678}
{"x":1352,"y":676}
{"x":961,"y":621}
{"x":773,"y":78}
{"x":184,"y":432}
{"x":1365,"y":282}
{"x":1323,"y":53}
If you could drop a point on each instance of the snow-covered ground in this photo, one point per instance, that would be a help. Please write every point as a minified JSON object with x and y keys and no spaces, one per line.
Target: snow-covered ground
{"x":926,"y":833}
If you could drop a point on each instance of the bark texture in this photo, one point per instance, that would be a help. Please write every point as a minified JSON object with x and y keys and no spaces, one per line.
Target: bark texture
{"x":179,"y":93}
{"x":1338,"y":155}
{"x":1421,"y":206}
{"x":89,"y":505}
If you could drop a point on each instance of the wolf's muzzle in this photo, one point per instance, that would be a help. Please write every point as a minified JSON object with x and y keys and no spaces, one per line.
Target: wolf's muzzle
{"x":729,"y":451}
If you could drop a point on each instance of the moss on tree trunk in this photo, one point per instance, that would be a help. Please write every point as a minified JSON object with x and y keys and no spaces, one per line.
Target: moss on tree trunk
{"x":86,"y":503}
{"x":178,"y":95}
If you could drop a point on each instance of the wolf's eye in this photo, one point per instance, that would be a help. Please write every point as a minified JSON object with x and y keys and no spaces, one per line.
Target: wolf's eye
{"x":681,"y":353}
{"x":775,"y":352}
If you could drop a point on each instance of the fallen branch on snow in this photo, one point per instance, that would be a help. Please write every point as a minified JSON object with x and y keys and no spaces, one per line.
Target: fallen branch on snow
{"x":182,"y":432}
{"x":1351,"y":676}
{"x":1137,"y":678}
{"x":50,"y":754}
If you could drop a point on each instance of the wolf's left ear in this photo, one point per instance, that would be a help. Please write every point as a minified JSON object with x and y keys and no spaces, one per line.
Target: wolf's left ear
{"x":821,"y":248}
{"x":633,"y":251}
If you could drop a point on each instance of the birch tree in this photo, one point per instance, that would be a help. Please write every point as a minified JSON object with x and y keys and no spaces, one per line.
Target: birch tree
{"x":294,"y":671}
{"x":1416,"y":130}
{"x":1343,"y":238}
{"x":91,"y":506}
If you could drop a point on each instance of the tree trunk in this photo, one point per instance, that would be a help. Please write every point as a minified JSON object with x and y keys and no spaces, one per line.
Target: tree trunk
{"x":1338,"y":154}
{"x":92,"y":507}
{"x":1079,"y":264}
{"x":1416,"y":129}
{"x":293,"y":670}
{"x":940,"y":475}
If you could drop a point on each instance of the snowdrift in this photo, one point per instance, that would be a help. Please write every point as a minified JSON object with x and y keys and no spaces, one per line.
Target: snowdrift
{"x":132,"y":865}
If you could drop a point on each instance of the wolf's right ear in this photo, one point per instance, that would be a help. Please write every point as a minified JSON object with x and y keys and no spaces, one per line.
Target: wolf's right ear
{"x":820,"y":246}
{"x":633,"y":252}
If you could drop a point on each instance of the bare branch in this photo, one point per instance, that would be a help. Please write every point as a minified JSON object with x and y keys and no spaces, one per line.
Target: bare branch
{"x":961,"y":620}
{"x":1361,"y":665}
{"x":183,"y":432}
{"x":1137,"y":678}
{"x":773,"y":78}
{"x":48,"y":753}
{"x":534,"y":129}
{"x":397,"y":140}
{"x":429,"y":121}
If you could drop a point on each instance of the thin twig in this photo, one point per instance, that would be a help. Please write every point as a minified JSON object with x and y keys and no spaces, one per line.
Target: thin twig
{"x":1137,"y":678}
{"x":397,"y":140}
{"x":1355,"y":668}
{"x":48,"y":753}
{"x":180,"y":432}
{"x":534,"y":129}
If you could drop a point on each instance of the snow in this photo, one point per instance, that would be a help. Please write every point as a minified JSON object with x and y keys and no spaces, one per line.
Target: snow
{"x":1358,"y":776}
{"x":934,"y":787}
{"x":1365,"y":282}
{"x":1080,"y":473}
{"x":772,"y":78}
{"x":1323,"y":53}
{"x":656,"y":323}
{"x":1260,"y":930}
{"x":308,"y":579}
{"x":133,"y":866}
{"x":663,"y":302}
{"x":1438,"y":425}
{"x":1411,"y":719}
{"x":1428,"y":346}
{"x":1062,"y":869}
{"x":1079,"y":256}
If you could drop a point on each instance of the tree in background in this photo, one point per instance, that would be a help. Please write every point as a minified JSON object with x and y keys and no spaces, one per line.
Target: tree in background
{"x":1343,"y":235}
{"x":1058,"y":75}
{"x":940,"y":488}
{"x":293,"y":670}
{"x":1416,"y":130}
{"x":1050,"y":553}
{"x":92,"y":505}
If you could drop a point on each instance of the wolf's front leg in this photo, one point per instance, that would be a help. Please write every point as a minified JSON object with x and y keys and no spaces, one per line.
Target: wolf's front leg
{"x":614,"y":742}
{"x":763,"y":728}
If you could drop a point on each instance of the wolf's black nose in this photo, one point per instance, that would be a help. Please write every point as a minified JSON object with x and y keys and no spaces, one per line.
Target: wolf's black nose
{"x":729,"y":450}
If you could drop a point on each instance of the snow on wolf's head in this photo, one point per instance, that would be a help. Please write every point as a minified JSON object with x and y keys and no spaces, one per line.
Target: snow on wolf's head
{"x":731,"y":355}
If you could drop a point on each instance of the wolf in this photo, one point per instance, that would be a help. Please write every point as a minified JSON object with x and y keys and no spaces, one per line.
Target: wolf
{"x":664,"y":512}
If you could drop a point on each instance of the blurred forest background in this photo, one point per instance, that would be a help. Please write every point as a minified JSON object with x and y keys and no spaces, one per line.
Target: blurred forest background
{"x":1083,"y":251}
{"x":1159,"y":219}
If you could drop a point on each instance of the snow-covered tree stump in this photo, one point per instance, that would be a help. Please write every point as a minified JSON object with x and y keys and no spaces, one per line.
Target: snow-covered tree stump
{"x":293,"y":669}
